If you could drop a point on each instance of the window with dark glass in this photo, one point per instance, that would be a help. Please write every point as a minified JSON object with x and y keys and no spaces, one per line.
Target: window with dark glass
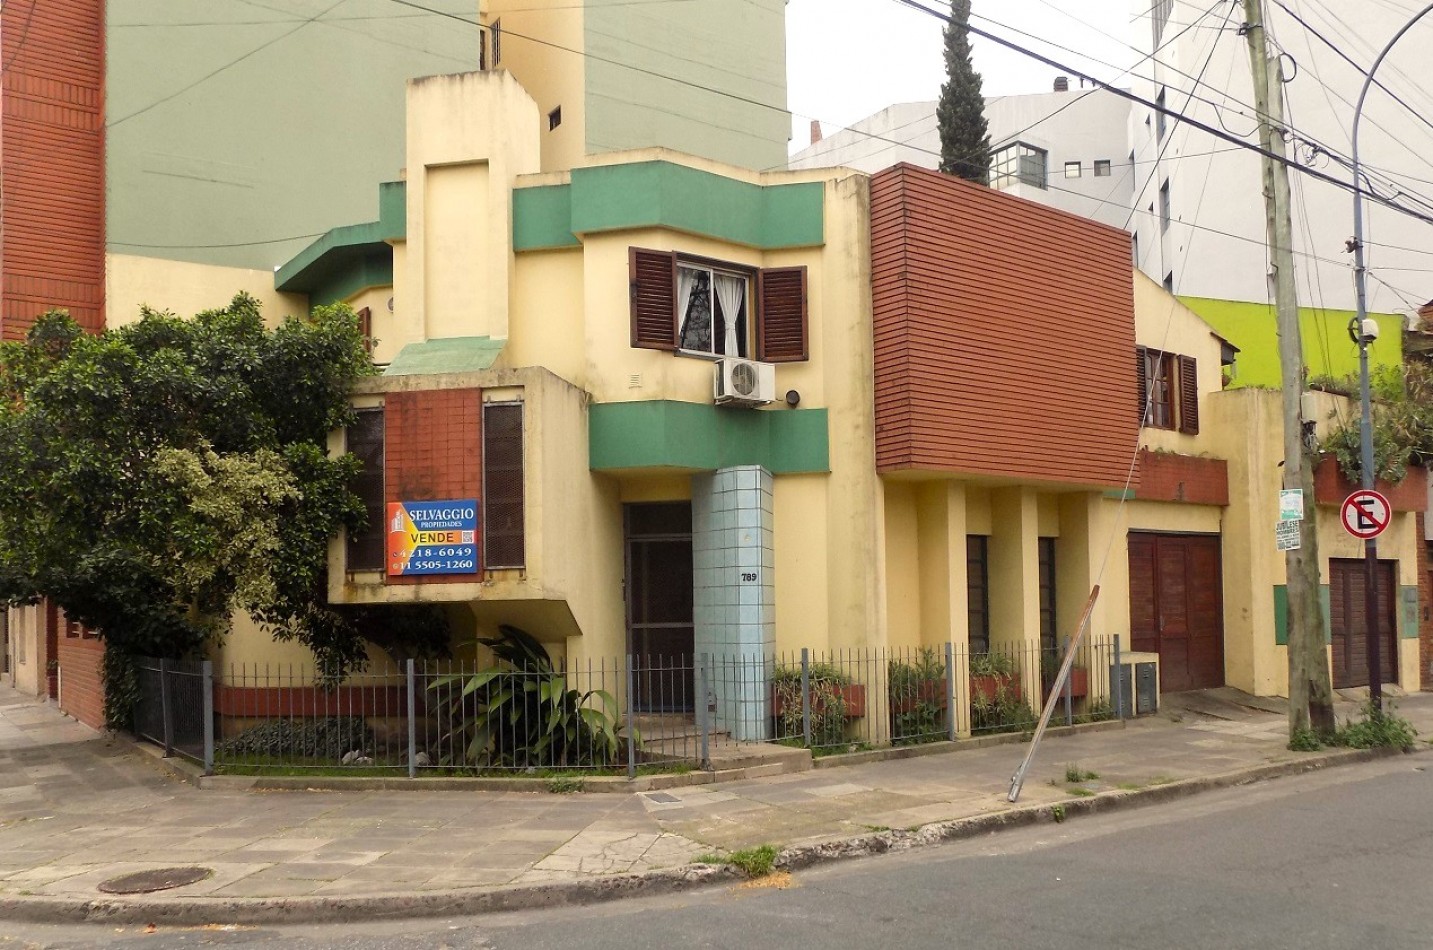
{"x":365,"y":442}
{"x":1047,"y":594}
{"x":977,"y":580}
{"x":504,"y":543}
{"x":1018,"y":163}
{"x":1102,"y":168}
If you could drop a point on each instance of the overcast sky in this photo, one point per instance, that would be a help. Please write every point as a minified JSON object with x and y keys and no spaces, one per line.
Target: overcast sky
{"x":849,"y":58}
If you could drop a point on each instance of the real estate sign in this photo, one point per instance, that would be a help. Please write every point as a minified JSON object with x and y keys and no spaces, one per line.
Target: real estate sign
{"x":433,"y":537}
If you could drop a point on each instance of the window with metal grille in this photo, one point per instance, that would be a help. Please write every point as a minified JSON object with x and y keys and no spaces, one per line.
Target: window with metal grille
{"x":365,"y":441}
{"x":977,"y":580}
{"x":503,"y":539}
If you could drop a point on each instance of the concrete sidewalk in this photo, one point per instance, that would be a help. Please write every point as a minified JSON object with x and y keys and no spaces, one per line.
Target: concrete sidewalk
{"x":77,"y":809}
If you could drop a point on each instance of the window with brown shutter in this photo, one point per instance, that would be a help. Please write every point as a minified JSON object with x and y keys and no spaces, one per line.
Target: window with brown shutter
{"x":1141,"y":369}
{"x":977,"y":591}
{"x":711,"y":289}
{"x":503,"y":536}
{"x":1188,"y":395}
{"x":781,"y":335}
{"x":365,"y":329}
{"x":365,"y":441}
{"x":1168,"y":386}
{"x":654,"y":298}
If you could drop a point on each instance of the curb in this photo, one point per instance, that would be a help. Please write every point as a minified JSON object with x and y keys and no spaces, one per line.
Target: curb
{"x":471,"y":901}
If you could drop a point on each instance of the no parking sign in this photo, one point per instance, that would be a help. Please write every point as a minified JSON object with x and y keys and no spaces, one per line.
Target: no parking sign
{"x":1365,"y":514}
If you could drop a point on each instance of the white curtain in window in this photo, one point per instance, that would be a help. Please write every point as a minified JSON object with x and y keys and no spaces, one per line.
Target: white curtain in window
{"x":730,"y":291}
{"x":686,"y":283}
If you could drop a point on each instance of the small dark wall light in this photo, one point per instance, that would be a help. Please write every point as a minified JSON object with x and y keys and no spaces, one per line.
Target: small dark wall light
{"x":554,"y":118}
{"x":793,"y":398}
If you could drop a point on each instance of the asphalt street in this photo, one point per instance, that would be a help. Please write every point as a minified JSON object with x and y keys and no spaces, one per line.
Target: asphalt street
{"x":1334,"y":859}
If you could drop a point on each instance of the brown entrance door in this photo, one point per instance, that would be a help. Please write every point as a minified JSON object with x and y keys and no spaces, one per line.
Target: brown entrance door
{"x":1177,"y":607}
{"x":1349,"y":625}
{"x":660,"y":631}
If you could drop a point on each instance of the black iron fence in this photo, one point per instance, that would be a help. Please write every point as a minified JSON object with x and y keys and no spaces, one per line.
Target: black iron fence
{"x":641,"y":714}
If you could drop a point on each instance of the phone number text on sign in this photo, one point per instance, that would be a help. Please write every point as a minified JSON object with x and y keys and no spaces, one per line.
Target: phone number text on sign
{"x":433,"y":537}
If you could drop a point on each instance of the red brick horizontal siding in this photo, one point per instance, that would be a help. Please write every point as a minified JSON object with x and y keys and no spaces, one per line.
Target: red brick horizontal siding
{"x":1166,"y":476}
{"x":81,"y":685}
{"x":1004,"y":335}
{"x":52,"y":227}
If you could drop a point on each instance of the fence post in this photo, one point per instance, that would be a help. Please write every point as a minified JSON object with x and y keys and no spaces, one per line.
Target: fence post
{"x":950,"y":724}
{"x":164,"y":708}
{"x":631,"y":715}
{"x":806,"y":696}
{"x":704,"y":711}
{"x":1117,"y":688}
{"x":412,"y":720}
{"x":1069,"y":699}
{"x":207,"y":677}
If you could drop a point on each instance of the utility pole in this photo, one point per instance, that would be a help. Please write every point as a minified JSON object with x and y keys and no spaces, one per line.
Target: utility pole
{"x":1310,"y":694}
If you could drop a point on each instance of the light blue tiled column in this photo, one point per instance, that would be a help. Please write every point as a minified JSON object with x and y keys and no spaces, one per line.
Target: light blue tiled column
{"x":734,"y":603}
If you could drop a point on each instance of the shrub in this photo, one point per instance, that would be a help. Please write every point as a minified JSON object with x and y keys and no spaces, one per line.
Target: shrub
{"x":828,"y":703}
{"x":329,"y":738}
{"x":523,"y":714}
{"x":1378,"y":729}
{"x":916,"y":691}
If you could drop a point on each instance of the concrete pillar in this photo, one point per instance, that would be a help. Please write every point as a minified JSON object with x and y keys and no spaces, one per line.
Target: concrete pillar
{"x":1015,"y":580}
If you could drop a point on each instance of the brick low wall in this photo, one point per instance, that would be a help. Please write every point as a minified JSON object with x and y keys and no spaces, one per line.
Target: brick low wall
{"x":1165,"y":476}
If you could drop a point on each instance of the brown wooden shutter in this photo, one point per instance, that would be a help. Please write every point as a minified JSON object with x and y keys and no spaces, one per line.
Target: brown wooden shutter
{"x":1188,"y":395}
{"x":1141,"y":370}
{"x":654,"y":298}
{"x":781,"y":332}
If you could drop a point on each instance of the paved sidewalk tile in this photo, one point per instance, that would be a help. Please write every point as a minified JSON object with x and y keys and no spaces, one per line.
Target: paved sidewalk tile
{"x":77,"y":808}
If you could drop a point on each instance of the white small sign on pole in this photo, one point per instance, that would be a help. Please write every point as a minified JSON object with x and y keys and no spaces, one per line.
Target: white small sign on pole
{"x":1291,"y":504}
{"x":1286,"y":535}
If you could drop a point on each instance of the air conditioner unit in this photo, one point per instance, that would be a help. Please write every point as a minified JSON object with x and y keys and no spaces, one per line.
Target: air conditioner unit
{"x":741,"y":382}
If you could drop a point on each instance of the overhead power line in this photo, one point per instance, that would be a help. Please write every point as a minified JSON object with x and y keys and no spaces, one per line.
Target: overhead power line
{"x":1202,"y":126}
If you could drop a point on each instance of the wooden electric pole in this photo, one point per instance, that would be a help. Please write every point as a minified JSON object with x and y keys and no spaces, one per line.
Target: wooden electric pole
{"x":1310,"y":694}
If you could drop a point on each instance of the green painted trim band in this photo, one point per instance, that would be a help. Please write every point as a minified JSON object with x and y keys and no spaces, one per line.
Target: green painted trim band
{"x":542,"y":218}
{"x":665,"y":195}
{"x":1409,"y":612}
{"x":698,"y":437}
{"x":393,"y":210}
{"x":1281,"y":614}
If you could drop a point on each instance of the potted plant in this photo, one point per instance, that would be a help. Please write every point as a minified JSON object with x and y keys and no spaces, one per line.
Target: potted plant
{"x":831,"y":689}
{"x":993,"y":676}
{"x":920,"y":681}
{"x":1050,"y":661}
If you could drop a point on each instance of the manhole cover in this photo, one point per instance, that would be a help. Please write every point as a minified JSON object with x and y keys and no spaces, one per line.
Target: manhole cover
{"x":147,"y":882}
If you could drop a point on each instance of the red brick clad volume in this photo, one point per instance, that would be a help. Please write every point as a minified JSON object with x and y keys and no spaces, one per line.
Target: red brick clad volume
{"x":1166,"y":476}
{"x":52,"y":228}
{"x":81,"y":694}
{"x":433,"y":451}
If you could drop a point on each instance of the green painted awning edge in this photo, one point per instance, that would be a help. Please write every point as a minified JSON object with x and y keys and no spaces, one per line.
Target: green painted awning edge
{"x":703,"y":437}
{"x":463,"y":354}
{"x":332,"y":256}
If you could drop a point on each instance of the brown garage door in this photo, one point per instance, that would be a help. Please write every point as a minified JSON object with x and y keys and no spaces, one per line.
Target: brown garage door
{"x":1177,"y":607}
{"x":1348,"y":621}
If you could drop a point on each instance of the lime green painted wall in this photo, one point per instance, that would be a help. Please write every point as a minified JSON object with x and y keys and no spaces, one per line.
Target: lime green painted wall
{"x":1327,"y":348}
{"x":730,"y":56}
{"x":693,"y":436}
{"x":662,"y":194}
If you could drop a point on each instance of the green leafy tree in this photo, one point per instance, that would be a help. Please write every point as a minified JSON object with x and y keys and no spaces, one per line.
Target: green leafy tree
{"x":960,"y":114}
{"x":159,"y":478}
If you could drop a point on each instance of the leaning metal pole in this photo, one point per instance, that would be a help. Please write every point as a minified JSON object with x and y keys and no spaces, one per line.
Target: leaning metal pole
{"x":1360,"y":285}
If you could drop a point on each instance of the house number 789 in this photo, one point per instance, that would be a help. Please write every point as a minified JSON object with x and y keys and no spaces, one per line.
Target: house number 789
{"x":748,"y":577}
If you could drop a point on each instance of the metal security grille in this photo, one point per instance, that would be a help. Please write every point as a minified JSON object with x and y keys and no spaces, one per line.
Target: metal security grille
{"x":503,"y":541}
